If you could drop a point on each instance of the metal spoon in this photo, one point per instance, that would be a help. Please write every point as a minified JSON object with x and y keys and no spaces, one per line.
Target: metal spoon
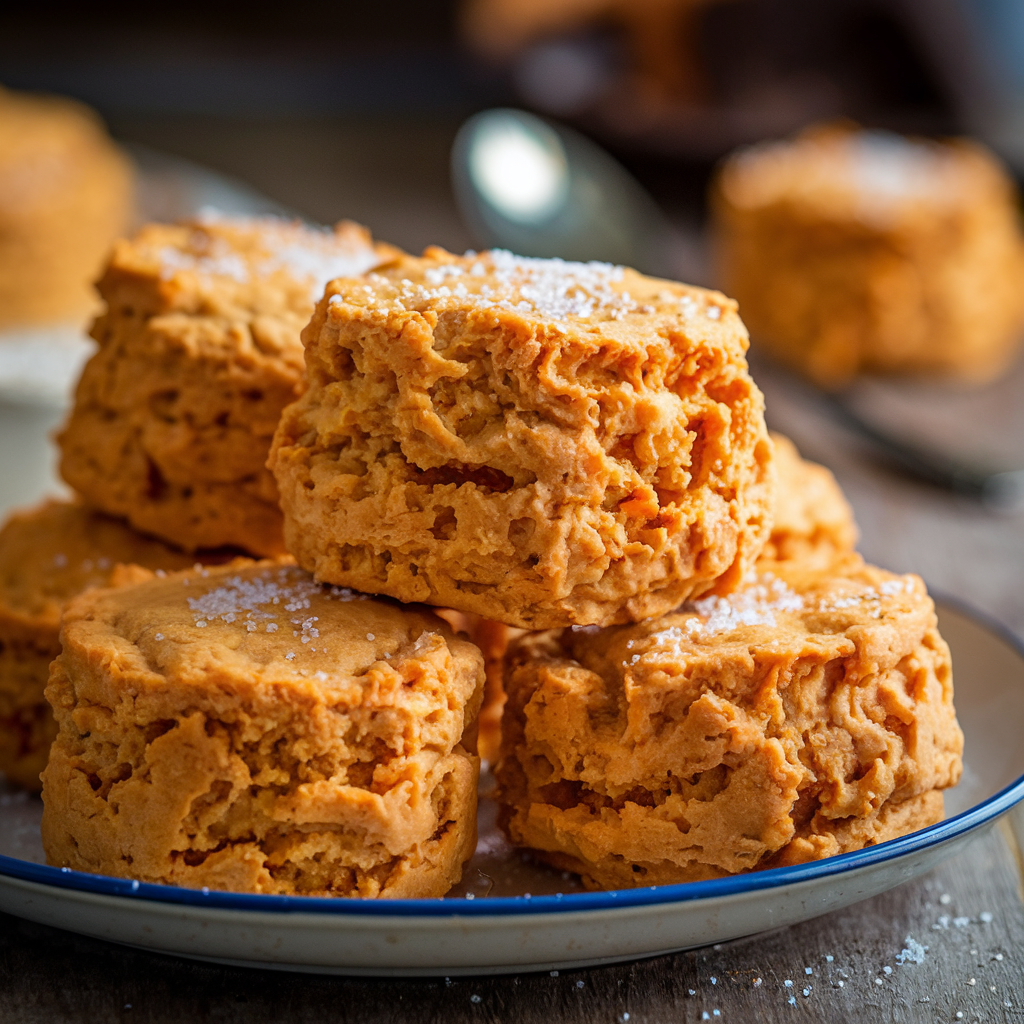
{"x":524,"y":184}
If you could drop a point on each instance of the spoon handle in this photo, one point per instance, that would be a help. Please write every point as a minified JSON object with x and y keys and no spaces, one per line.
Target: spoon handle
{"x":999,"y":489}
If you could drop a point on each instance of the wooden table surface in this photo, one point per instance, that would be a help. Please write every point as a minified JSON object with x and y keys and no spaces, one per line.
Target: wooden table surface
{"x":969,"y":912}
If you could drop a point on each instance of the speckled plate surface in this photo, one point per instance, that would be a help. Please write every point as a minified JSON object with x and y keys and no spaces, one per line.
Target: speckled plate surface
{"x":510,"y":915}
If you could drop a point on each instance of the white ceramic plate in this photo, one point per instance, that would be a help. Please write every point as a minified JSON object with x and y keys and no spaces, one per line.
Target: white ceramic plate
{"x":533,"y":926}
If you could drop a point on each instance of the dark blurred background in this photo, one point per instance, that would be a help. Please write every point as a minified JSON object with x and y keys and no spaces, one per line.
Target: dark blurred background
{"x":345,"y":109}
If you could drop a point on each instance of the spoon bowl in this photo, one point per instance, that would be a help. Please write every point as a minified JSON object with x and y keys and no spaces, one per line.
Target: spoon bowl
{"x":525,"y":184}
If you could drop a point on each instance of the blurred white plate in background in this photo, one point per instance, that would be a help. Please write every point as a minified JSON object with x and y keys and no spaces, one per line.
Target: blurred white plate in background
{"x":40,"y":365}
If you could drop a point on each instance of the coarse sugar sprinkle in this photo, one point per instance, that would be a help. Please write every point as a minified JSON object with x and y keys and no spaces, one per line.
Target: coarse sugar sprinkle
{"x":216,"y":261}
{"x":912,"y":953}
{"x":264,"y":597}
{"x":305,"y":253}
{"x":755,"y":605}
{"x":758,"y":604}
{"x":556,"y":289}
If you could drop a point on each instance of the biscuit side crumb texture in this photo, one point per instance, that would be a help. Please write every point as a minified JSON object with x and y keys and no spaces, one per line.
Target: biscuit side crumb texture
{"x":48,"y":555}
{"x":65,"y":195}
{"x":538,"y":442}
{"x":813,"y":525}
{"x":852,"y":251}
{"x":804,"y":716}
{"x":199,"y":352}
{"x":813,"y":522}
{"x":246,"y":729}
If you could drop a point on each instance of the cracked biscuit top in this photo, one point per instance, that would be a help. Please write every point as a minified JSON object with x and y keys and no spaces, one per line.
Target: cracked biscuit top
{"x":246,"y":728}
{"x":806,"y":714}
{"x":541,"y":442}
{"x":199,"y":351}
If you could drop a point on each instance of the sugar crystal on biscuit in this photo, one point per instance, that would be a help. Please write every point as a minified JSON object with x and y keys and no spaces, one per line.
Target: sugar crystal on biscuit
{"x":755,"y":605}
{"x":289,"y":588}
{"x":302,"y":251}
{"x":551,"y":288}
{"x":216,"y":261}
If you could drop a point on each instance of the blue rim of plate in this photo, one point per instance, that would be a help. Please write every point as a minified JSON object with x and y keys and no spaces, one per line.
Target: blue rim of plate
{"x":933,"y":836}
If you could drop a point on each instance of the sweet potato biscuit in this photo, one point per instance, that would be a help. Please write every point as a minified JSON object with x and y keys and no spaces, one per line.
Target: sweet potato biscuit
{"x":851,"y":251}
{"x":813,"y":522}
{"x":806,"y":715}
{"x":199,"y":352}
{"x":65,"y":195}
{"x":539,"y":442}
{"x":246,"y":729}
{"x":48,"y":555}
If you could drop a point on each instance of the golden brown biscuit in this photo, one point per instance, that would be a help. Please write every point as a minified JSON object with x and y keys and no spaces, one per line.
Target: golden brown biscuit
{"x":49,"y":554}
{"x":538,"y":442}
{"x":199,"y":352}
{"x":808,"y":714}
{"x":246,"y":729}
{"x":65,"y":195}
{"x":852,"y":251}
{"x":813,"y":522}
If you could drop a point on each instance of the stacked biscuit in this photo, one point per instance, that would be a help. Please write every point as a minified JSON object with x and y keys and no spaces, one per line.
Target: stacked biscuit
{"x":234,"y":726}
{"x":570,"y":461}
{"x":580,"y":450}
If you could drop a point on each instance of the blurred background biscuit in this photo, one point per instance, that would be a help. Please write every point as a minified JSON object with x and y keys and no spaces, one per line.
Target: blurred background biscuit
{"x":66,"y":192}
{"x":853,"y":251}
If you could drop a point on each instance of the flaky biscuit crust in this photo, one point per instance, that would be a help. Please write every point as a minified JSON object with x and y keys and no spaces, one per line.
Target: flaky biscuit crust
{"x":535,"y":442}
{"x":808,"y":716}
{"x":49,"y":554}
{"x":212,"y":736}
{"x":199,"y":352}
{"x":853,"y":252}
